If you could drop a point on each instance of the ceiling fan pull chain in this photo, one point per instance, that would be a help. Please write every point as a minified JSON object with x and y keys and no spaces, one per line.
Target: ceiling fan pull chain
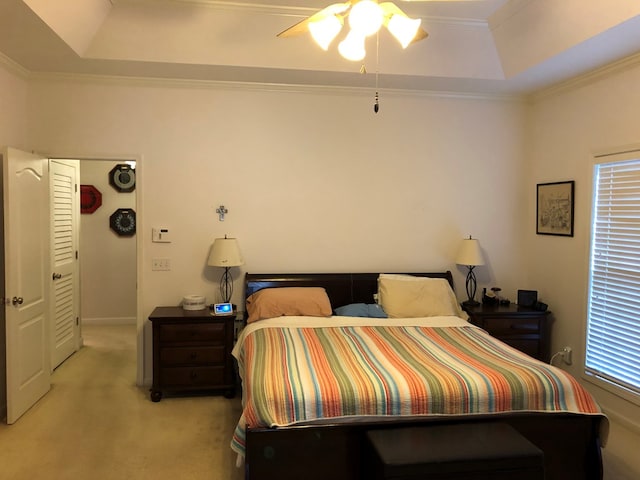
{"x":376,"y":105}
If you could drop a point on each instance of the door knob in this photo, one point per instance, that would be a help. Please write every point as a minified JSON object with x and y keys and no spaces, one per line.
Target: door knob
{"x":57,"y":276}
{"x":17,"y":300}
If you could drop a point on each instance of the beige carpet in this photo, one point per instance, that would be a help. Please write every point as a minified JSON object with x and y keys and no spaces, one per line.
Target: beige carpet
{"x":96,"y":424}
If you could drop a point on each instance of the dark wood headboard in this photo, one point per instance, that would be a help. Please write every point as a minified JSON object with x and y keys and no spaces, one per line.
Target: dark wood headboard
{"x":342,"y":288}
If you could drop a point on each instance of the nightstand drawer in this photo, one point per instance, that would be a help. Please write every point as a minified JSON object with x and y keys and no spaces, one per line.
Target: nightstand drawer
{"x":192,"y":355}
{"x":511,"y":326}
{"x":192,"y":376}
{"x":530,"y":347}
{"x":213,"y":332}
{"x":523,"y":328}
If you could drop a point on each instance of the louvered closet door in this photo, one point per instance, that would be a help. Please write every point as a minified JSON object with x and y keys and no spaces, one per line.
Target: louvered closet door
{"x":64,"y":179}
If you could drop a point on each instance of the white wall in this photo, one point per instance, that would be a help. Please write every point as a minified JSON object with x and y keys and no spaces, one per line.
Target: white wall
{"x":13,"y":101}
{"x":566,"y":129}
{"x":108,"y":261}
{"x":312,"y":181}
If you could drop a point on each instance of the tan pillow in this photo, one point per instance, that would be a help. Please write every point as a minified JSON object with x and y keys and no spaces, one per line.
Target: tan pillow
{"x":275,"y":302}
{"x":404,"y":296}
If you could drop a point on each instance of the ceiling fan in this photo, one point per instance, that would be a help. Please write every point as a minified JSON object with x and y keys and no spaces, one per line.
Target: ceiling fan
{"x":365,"y":18}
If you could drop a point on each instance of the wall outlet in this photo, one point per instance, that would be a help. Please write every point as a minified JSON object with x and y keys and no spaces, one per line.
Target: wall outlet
{"x":566,"y":355}
{"x":161,"y":264}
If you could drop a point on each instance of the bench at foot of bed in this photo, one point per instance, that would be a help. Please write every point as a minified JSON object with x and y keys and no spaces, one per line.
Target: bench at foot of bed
{"x":473,"y":452}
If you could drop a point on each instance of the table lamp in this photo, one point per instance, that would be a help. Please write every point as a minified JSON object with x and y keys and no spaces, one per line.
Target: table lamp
{"x":225,"y":252}
{"x":470,"y":255}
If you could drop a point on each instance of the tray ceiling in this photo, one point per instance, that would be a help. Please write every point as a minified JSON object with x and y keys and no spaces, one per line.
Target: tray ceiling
{"x":486,"y":46}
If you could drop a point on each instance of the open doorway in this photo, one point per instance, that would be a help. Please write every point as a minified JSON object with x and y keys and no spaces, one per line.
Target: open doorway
{"x":108,"y":262}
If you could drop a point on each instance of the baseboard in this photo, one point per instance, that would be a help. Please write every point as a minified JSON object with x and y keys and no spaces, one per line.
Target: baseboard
{"x":110,"y":321}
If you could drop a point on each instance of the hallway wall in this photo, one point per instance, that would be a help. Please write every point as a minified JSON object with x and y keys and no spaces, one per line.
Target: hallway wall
{"x":108,"y":261}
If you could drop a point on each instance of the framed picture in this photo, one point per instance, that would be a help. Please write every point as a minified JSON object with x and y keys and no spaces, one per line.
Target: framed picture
{"x":554,"y":212}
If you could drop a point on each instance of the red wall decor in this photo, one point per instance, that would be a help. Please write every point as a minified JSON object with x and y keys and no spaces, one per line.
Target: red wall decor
{"x":90,"y":199}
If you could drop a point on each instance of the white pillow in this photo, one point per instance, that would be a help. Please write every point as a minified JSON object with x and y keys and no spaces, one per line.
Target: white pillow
{"x":408,"y":296}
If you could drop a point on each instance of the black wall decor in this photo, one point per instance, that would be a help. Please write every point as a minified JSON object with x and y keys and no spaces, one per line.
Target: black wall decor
{"x":123,"y":222}
{"x":123,"y":178}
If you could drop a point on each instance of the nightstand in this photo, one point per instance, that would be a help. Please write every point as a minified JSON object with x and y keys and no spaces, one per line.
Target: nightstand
{"x":523,"y":328}
{"x":192,"y":351}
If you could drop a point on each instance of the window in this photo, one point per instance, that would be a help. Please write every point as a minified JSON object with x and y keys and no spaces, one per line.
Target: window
{"x":613,"y":330}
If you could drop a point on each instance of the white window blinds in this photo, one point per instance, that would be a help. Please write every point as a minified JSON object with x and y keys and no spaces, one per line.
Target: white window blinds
{"x":613,"y":331}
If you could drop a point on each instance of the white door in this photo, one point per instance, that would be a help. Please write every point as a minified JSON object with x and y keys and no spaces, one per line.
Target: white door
{"x":65,"y":280}
{"x":27,"y":279}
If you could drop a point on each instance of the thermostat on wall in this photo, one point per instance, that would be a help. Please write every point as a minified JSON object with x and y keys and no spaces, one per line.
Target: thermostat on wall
{"x":223,"y":309}
{"x":160,"y":235}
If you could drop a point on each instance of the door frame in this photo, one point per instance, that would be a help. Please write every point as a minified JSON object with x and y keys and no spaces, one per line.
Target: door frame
{"x":121,"y":158}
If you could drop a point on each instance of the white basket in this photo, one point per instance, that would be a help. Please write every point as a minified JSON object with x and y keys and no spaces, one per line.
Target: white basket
{"x":194,"y":302}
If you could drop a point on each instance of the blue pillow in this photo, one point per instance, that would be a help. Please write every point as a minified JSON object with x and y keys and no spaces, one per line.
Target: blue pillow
{"x":361,"y":310}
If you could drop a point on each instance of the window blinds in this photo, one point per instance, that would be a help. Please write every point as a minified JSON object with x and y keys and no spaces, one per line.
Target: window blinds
{"x":613,"y":332}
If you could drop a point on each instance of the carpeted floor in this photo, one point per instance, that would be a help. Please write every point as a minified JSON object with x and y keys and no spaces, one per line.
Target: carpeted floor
{"x":96,"y":424}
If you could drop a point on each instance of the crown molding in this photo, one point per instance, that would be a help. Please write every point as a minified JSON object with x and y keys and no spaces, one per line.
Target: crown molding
{"x":360,"y":90}
{"x":291,"y":11}
{"x":588,"y":78}
{"x":14,"y":67}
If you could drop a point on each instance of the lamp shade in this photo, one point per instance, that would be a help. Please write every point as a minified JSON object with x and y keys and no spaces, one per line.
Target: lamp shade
{"x":366,"y":18}
{"x":470,"y":253}
{"x":325,"y":30}
{"x":352,"y":47}
{"x":404,"y":29}
{"x":225,"y":252}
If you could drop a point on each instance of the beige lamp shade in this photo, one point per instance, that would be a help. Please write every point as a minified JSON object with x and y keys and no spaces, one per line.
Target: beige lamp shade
{"x":469,"y":253}
{"x":225,"y":252}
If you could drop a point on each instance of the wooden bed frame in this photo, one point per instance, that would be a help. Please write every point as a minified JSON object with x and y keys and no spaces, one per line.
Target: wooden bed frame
{"x":570,"y":442}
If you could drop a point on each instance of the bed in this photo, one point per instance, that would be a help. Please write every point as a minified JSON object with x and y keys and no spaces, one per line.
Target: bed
{"x":315,"y":381}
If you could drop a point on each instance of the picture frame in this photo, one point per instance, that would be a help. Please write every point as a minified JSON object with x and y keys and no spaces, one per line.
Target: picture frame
{"x":554,"y":208}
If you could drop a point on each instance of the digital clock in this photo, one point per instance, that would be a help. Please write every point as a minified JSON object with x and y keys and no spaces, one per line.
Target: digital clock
{"x":223,"y":309}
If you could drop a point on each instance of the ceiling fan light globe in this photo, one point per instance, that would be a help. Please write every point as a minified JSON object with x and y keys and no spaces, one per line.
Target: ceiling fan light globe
{"x":366,"y":17}
{"x":325,"y":30}
{"x":352,"y":47}
{"x":403,"y":28}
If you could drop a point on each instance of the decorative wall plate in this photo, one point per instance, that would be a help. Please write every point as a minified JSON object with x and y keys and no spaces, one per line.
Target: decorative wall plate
{"x":123,"y":222}
{"x":90,"y":199}
{"x":123,"y":178}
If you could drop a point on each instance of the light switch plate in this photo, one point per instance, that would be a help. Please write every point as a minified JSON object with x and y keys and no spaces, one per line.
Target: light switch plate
{"x":160,"y":235}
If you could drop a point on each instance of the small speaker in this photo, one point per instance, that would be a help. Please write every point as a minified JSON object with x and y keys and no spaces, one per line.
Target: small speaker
{"x":527,"y":298}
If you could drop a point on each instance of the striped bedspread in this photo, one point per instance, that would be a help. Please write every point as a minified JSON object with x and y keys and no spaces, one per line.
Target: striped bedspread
{"x":303,"y":369}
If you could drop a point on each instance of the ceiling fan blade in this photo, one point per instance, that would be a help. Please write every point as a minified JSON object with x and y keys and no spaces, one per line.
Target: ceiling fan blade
{"x":297,"y":29}
{"x":420,"y":34}
{"x":303,"y":25}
